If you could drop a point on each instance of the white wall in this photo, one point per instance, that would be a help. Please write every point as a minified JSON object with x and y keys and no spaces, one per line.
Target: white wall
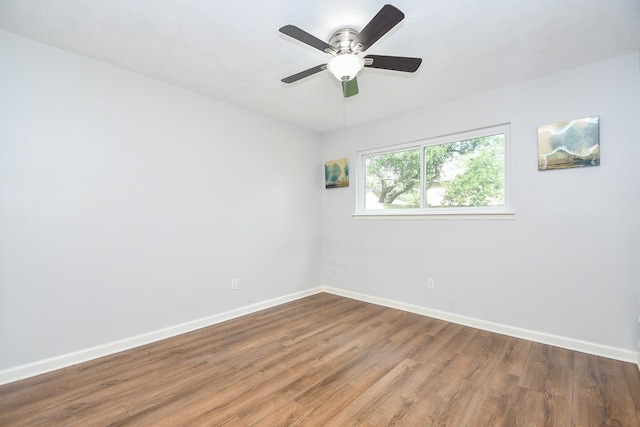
{"x":127,"y":205}
{"x":568,"y":265}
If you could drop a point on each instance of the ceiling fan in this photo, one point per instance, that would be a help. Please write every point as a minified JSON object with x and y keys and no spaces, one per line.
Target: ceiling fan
{"x":347,"y":44}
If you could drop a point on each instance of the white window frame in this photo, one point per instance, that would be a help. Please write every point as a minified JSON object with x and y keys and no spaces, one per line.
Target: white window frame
{"x":474,"y":212}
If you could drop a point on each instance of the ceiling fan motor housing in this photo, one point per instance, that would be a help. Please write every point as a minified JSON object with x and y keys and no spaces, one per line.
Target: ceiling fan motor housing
{"x":342,"y":39}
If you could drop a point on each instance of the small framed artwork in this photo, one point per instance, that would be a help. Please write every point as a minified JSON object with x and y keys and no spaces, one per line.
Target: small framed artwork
{"x":336,"y":173}
{"x":571,"y":144}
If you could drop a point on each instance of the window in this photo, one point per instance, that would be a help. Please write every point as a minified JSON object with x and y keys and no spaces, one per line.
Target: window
{"x":464,"y":173}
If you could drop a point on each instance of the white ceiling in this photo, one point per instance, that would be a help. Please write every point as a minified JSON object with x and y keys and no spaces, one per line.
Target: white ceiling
{"x":231,"y":50}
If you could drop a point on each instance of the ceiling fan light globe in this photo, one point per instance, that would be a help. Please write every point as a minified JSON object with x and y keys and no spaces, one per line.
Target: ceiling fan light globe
{"x":345,"y":67}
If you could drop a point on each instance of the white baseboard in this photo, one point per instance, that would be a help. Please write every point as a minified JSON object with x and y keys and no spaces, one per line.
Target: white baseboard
{"x":540,"y":337}
{"x":48,"y":365}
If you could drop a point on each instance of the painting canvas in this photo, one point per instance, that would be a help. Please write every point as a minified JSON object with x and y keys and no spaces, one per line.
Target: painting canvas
{"x":571,"y":144}
{"x":336,"y":173}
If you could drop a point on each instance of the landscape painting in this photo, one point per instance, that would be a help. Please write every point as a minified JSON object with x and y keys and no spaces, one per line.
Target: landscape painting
{"x":336,"y":173}
{"x":570,"y":144}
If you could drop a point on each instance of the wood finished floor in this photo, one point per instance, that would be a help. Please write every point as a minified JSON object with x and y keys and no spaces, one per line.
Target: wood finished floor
{"x":331,"y":361}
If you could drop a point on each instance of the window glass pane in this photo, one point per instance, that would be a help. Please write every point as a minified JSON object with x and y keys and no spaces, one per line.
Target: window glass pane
{"x":393,"y":180}
{"x":465,"y":173}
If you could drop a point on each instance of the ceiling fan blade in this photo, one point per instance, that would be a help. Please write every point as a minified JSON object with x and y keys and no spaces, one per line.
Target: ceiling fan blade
{"x":350,"y":88}
{"x":306,"y":38}
{"x":387,"y":18}
{"x":396,"y":63}
{"x":305,"y":73}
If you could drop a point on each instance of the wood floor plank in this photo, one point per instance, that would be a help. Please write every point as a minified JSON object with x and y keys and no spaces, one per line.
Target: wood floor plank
{"x":557,"y":395}
{"x":632,"y":374}
{"x":359,"y":372}
{"x":601,"y":398}
{"x":443,"y":346}
{"x":507,"y":404}
{"x":90,"y":394}
{"x":370,"y":399}
{"x":618,"y":400}
{"x":329,"y":360}
{"x":284,"y":416}
{"x":423,"y":404}
{"x":330,"y":401}
{"x":474,"y":367}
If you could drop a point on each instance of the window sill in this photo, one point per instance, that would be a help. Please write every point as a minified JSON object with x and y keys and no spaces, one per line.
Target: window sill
{"x":435,"y":215}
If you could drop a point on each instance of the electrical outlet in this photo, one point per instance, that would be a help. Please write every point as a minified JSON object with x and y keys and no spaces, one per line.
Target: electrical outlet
{"x":431,"y":284}
{"x":234,"y":284}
